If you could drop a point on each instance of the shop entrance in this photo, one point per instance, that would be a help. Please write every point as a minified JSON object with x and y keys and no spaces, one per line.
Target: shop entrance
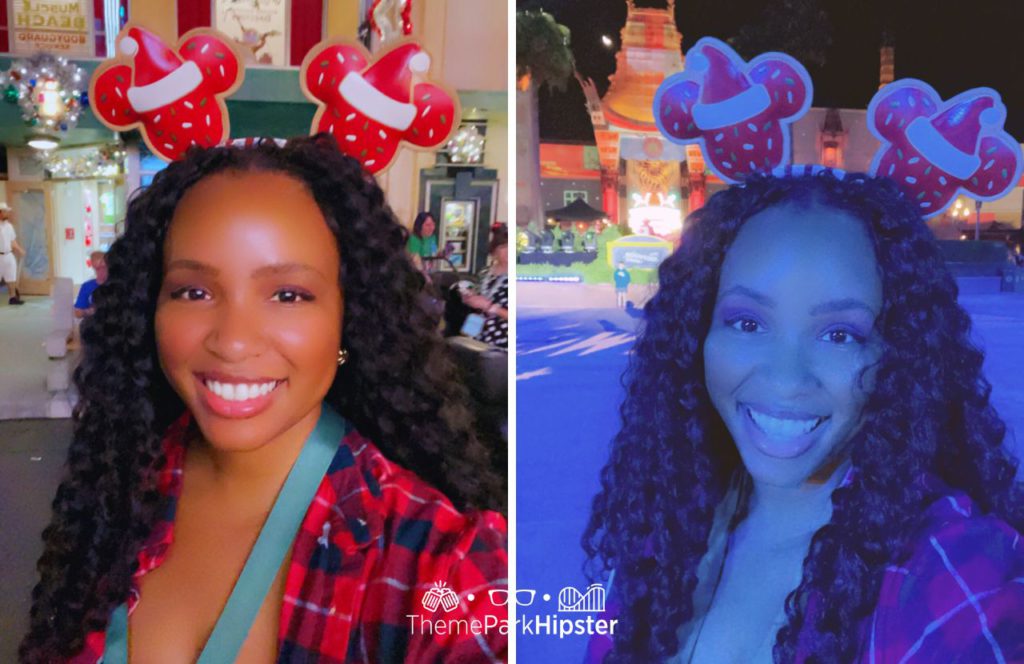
{"x":32,"y":216}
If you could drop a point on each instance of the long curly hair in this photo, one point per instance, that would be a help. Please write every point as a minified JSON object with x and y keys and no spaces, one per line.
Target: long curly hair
{"x":673,"y":459}
{"x":399,"y":386}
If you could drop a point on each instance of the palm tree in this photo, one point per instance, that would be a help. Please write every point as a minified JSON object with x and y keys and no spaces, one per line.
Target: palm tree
{"x":543,"y":58}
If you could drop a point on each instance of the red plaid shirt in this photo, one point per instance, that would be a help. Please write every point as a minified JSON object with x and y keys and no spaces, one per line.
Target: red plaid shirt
{"x":957,"y":597}
{"x":367,"y":568}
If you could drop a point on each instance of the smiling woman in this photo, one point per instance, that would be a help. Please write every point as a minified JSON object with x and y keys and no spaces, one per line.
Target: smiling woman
{"x":809,"y":468}
{"x":261,"y":325}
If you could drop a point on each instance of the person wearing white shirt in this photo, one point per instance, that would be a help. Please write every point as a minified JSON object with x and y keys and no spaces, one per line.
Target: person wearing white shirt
{"x":9,"y":247}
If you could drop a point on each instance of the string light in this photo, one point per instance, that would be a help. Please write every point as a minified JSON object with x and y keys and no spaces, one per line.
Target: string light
{"x":106,"y":161}
{"x":467,"y":146}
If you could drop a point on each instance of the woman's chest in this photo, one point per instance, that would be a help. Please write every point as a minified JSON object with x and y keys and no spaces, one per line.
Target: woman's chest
{"x":181,"y":601}
{"x":740,"y":611}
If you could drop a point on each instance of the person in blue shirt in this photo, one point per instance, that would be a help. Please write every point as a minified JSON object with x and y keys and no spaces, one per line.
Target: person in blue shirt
{"x":83,"y":305}
{"x":622,"y":280}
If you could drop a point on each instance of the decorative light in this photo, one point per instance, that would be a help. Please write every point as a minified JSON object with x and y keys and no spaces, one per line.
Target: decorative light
{"x":662,"y":218}
{"x":49,"y":90}
{"x":607,"y":41}
{"x":105,"y":161}
{"x":467,"y":146}
{"x":43,"y":142}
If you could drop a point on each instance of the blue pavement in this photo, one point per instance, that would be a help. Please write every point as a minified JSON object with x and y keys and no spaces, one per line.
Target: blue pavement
{"x":570,"y":363}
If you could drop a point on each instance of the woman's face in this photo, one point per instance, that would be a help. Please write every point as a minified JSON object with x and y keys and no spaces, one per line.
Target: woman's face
{"x":791,"y":334}
{"x":428,"y":227}
{"x":248,"y":321}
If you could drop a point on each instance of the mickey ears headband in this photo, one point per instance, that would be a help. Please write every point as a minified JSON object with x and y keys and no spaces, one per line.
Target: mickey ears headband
{"x":738,"y":113}
{"x":176,"y":96}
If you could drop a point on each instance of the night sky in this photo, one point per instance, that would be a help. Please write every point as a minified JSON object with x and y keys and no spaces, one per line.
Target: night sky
{"x":954,"y":45}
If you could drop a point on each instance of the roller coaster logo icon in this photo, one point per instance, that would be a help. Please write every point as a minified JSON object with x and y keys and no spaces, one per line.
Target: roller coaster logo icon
{"x":571,"y":600}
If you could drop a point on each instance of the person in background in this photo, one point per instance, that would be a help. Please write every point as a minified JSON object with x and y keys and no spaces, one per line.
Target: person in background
{"x":9,"y":248}
{"x":622,"y":280}
{"x":422,"y":242}
{"x":83,"y":305}
{"x":493,"y":297}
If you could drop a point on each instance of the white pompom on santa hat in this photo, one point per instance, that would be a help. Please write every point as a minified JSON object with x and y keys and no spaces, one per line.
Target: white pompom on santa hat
{"x":160,"y":76}
{"x":383,"y":92}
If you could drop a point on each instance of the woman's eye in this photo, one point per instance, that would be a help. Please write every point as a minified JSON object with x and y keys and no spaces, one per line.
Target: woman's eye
{"x":190,"y":294}
{"x":748,"y":325}
{"x":842,"y":337}
{"x":291,"y":296}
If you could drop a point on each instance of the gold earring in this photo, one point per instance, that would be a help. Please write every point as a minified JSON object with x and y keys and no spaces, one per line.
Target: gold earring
{"x":342,"y":357}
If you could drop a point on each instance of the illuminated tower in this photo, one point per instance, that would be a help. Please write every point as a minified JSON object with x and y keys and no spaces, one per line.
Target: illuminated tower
{"x":628,"y":141}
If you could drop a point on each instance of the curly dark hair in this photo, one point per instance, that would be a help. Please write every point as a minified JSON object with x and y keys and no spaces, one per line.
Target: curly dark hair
{"x":673,"y":459}
{"x":399,"y":386}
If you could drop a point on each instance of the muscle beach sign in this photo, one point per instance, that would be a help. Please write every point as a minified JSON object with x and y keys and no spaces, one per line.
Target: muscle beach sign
{"x":62,"y":28}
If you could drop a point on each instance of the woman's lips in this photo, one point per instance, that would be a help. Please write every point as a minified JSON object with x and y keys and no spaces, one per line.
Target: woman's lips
{"x":236,"y":398}
{"x":782,"y":437}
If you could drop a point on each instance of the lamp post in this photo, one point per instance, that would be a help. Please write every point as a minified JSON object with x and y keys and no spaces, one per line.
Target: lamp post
{"x":977,"y":221}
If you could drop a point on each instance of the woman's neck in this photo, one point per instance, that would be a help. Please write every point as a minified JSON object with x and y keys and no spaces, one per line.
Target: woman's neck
{"x":254,"y":475}
{"x":781,"y":513}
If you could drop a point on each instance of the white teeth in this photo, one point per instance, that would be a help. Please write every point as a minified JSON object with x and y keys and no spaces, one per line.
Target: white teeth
{"x":783,"y":428}
{"x":240,"y":391}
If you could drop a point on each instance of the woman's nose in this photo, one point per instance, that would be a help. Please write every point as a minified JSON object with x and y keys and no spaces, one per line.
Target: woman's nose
{"x":236,"y":333}
{"x":790,"y":368}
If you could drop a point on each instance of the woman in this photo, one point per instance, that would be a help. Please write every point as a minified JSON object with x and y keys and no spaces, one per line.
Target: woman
{"x":809,"y":468}
{"x":422,"y":243}
{"x":260,"y":326}
{"x":492,"y":300}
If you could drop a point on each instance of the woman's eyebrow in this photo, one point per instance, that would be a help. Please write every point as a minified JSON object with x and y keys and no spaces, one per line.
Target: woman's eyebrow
{"x":189,"y":264}
{"x":844,"y":304}
{"x":266,"y":270}
{"x":277,"y":269}
{"x":754,"y":295}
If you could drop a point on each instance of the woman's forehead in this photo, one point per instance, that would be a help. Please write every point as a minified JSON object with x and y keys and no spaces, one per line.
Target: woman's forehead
{"x":806,"y":248}
{"x":250,"y":217}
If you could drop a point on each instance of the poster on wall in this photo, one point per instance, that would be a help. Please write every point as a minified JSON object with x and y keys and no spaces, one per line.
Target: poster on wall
{"x":55,"y":26}
{"x":258,"y":27}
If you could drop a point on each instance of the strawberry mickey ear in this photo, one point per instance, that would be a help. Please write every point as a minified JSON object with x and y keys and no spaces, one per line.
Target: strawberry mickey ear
{"x":175,"y":96}
{"x":372,"y":104}
{"x":733,"y":109}
{"x":934,"y":149}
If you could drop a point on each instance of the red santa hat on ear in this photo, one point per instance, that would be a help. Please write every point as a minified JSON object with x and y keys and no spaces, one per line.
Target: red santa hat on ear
{"x":160,"y":76}
{"x":384,"y":90}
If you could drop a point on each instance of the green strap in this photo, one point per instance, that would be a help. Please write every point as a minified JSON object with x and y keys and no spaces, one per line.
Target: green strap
{"x":116,"y":649}
{"x":267,"y":554}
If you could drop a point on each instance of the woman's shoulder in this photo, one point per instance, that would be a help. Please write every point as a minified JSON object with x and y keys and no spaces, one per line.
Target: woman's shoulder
{"x":957,"y":593}
{"x":434,"y":561}
{"x":421,"y":537}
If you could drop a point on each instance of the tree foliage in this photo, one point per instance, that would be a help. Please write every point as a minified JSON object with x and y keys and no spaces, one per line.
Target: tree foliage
{"x":542,"y":49}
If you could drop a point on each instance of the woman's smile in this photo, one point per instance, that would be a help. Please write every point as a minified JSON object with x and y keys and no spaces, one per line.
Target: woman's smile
{"x":236,"y":397}
{"x":783,"y":434}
